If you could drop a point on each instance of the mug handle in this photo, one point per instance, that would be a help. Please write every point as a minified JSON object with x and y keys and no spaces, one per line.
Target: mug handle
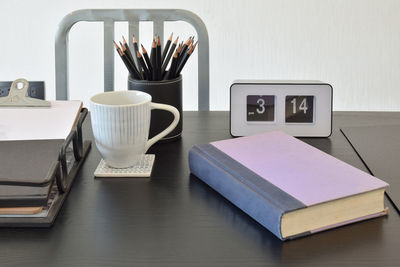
{"x":167,"y":130}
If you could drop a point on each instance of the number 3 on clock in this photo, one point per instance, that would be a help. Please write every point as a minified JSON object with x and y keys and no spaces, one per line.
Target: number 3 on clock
{"x":299,"y":109}
{"x":260,"y":108}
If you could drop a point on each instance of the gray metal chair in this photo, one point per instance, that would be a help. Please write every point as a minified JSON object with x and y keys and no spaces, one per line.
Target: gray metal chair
{"x":133,"y":17}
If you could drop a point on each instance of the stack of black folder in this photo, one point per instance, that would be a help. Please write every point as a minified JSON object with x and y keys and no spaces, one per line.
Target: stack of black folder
{"x":36,"y":176}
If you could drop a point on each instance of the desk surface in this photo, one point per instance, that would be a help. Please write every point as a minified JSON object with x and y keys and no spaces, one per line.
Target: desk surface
{"x":174,"y":219}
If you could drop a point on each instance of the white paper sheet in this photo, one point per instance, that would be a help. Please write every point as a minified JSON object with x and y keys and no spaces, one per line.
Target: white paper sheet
{"x":29,"y":123}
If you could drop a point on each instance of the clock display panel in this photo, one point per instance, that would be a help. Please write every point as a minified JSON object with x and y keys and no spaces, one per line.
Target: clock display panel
{"x":260,"y":108}
{"x":299,"y":109}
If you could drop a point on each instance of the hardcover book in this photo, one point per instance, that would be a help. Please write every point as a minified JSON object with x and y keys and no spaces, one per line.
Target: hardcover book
{"x":288,"y":186}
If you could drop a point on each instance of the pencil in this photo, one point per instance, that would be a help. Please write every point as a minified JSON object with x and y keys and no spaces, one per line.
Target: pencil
{"x":181,"y":61}
{"x":184,"y":49}
{"x":127,"y":51}
{"x":127,"y":63}
{"x":158,"y":62}
{"x":130,"y":60}
{"x":148,"y":62}
{"x":184,"y":59}
{"x":165,"y":51}
{"x":132,"y":71}
{"x":116,"y":46}
{"x":153,"y":60}
{"x":179,"y":50}
{"x":151,"y":53}
{"x":170,"y":53}
{"x":143,"y":64}
{"x":123,"y":49}
{"x":135,"y":48}
{"x":171,"y":72}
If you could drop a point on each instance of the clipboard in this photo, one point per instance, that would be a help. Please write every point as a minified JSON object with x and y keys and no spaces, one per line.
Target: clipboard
{"x":63,"y":159}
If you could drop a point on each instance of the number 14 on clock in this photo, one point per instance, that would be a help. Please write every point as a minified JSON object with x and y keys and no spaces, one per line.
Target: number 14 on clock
{"x":299,"y":109}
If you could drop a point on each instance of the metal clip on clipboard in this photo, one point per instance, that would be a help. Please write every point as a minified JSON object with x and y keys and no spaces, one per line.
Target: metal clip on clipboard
{"x":17,"y":97}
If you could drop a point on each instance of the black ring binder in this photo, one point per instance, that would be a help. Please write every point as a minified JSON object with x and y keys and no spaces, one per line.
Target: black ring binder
{"x":76,"y":138}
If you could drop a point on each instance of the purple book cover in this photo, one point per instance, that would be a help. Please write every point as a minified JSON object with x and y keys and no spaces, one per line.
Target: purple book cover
{"x":304,"y":172}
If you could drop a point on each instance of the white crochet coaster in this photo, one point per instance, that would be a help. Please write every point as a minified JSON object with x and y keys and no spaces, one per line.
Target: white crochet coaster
{"x":142,"y":169}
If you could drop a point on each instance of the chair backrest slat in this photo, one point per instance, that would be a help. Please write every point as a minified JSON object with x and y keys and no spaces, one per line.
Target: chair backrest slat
{"x":133,"y":30}
{"x":108,"y":56}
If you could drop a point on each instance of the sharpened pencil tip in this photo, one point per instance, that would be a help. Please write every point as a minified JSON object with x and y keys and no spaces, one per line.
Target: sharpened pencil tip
{"x":179,"y":48}
{"x":122,"y":46}
{"x":192,"y":47}
{"x":116,"y":45}
{"x":143,"y":49}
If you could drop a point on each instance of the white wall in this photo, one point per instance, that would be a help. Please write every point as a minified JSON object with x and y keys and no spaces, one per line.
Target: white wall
{"x":352,"y":44}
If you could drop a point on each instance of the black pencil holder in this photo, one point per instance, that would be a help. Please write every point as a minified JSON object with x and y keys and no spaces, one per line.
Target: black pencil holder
{"x":165,"y":92}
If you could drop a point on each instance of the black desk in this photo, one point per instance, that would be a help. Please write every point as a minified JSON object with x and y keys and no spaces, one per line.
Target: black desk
{"x":174,"y":219}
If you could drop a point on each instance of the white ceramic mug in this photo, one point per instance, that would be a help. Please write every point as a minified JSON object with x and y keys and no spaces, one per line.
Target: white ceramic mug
{"x":121,"y":122}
